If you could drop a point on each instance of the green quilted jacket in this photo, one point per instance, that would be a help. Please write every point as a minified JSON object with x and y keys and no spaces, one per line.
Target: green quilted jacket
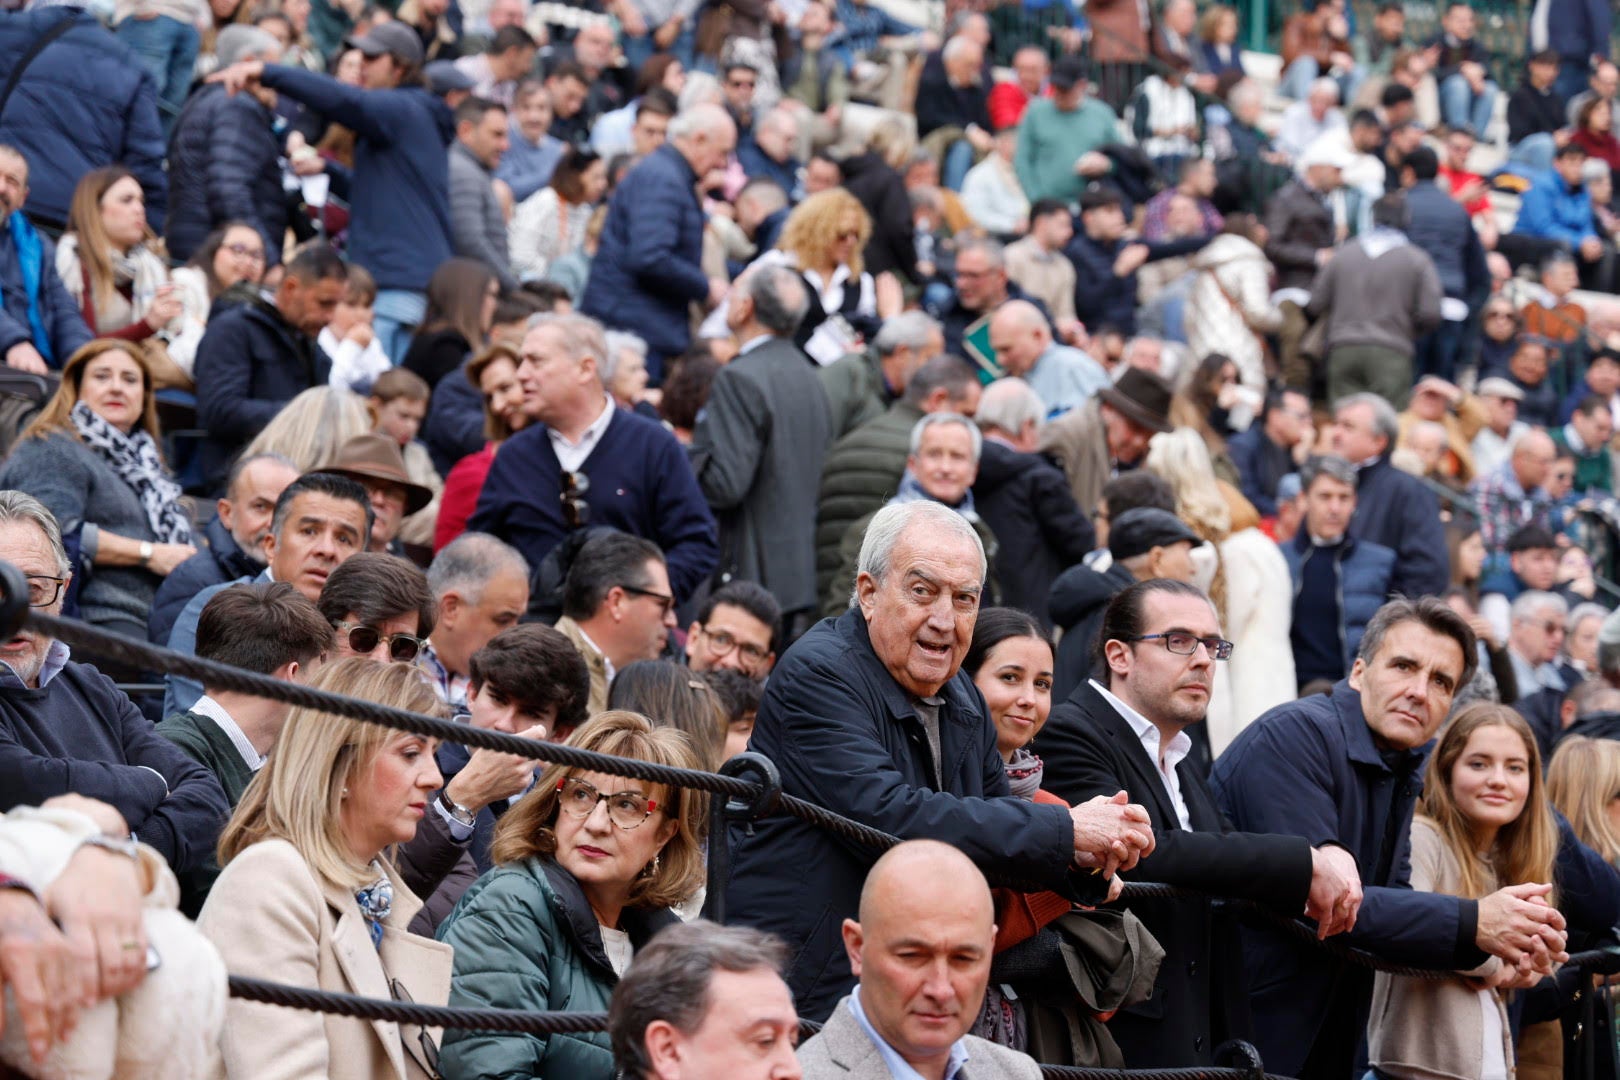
{"x":861,"y":473}
{"x":525,"y":938}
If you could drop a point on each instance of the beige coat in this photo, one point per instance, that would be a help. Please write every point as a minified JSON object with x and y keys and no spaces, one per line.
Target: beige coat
{"x":594,"y":660}
{"x":1433,"y":1027}
{"x":842,"y":1051}
{"x":271,"y":919}
{"x":1077,"y":442}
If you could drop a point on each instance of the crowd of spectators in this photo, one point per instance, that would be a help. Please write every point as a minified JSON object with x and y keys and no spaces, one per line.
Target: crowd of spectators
{"x":674,"y":378}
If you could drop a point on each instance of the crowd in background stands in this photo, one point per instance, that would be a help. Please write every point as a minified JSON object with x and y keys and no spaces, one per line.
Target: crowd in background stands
{"x":346,"y":330}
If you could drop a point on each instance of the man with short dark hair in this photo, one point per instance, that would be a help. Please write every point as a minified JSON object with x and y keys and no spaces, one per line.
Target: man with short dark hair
{"x":1036,"y":262}
{"x":1587,"y":436}
{"x":1440,"y":226}
{"x":568,"y":86}
{"x":1106,"y":261}
{"x":1266,"y":451}
{"x":1126,"y":729}
{"x":380,"y":608}
{"x":1346,"y":768}
{"x":1532,"y":564}
{"x":1339,"y":582}
{"x":702,"y":1001}
{"x":477,"y":223}
{"x":760,"y":442}
{"x":320,"y":521}
{"x":735,"y":629}
{"x":66,"y":728}
{"x":617,"y":607}
{"x":235,"y":539}
{"x":256,"y":357}
{"x":497,"y":70}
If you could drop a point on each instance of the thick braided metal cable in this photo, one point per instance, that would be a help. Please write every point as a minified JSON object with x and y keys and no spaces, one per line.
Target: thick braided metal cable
{"x":141,"y":655}
{"x":559,"y":1023}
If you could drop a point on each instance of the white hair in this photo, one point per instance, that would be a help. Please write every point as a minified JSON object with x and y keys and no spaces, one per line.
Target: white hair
{"x":907,"y":330}
{"x":1326,"y":84}
{"x":1009,"y":404}
{"x":466,"y":564}
{"x":618,"y":342}
{"x":1531,"y":601}
{"x":707,"y":118}
{"x":891,"y":522}
{"x":939,"y":419}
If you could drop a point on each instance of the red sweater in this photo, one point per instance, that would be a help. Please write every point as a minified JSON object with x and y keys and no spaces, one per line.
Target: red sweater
{"x":461,"y":490}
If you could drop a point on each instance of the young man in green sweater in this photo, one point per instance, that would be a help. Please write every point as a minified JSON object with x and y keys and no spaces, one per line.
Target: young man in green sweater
{"x":1061,"y":136}
{"x":1587,"y":437}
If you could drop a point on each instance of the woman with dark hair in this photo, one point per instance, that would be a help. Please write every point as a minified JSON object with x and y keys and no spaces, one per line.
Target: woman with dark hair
{"x":686,"y":391}
{"x":551,"y":223}
{"x":232,"y":255}
{"x":1499,"y":325}
{"x":494,"y":372}
{"x":1594,"y":132}
{"x":94,"y":458}
{"x":1208,"y":404}
{"x":460,"y":309}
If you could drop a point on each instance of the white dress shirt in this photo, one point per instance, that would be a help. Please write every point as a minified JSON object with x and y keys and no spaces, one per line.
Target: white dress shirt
{"x":1165,"y":764}
{"x":207,"y":706}
{"x":571,"y":455}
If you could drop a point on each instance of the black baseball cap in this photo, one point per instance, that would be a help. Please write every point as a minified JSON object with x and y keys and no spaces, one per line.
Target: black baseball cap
{"x":1139,"y":531}
{"x":1068,"y":71}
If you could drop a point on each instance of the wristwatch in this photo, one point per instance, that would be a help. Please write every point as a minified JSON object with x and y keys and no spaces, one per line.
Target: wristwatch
{"x":127,"y":846}
{"x":146,"y":552}
{"x":459,"y":813}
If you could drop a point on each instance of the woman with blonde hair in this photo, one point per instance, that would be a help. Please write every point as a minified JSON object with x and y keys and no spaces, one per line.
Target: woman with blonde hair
{"x":1250,"y":585}
{"x":113,"y":265}
{"x":309,"y":429}
{"x":1583,"y":782}
{"x":587,"y":867}
{"x":94,"y":457}
{"x":1484,"y":822}
{"x":309,"y":895}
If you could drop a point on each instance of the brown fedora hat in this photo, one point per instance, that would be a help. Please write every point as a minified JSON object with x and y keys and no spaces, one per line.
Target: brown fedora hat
{"x":377,"y":457}
{"x":1143,"y":398}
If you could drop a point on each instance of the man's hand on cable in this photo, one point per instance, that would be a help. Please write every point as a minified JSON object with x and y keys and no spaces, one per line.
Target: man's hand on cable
{"x":1335,"y":896}
{"x":1111,"y":834}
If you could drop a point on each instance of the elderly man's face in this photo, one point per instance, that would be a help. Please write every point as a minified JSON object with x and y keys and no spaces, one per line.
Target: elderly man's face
{"x":1017,"y":345}
{"x":467,"y":622}
{"x":13,"y":182}
{"x":943,"y":464}
{"x":251,"y":504}
{"x":920,"y":616}
{"x":1355,"y":436}
{"x":1538,"y":634}
{"x":1500,"y":413}
{"x":23,"y":545}
{"x":978,"y":283}
{"x":552,"y":379}
{"x":1532,"y":457}
{"x":1595,"y":429}
{"x":1407,"y":686}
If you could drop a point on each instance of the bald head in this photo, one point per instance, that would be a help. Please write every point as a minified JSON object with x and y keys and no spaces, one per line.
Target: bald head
{"x":954,"y":882}
{"x":1533,"y":457}
{"x":1019,"y":334}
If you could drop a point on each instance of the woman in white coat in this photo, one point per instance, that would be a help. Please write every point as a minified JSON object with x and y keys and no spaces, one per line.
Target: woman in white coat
{"x":1229,"y":308}
{"x":1250,"y":588}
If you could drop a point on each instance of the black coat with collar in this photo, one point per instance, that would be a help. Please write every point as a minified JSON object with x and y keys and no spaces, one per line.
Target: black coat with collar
{"x":1200,"y":999}
{"x":845,"y":736}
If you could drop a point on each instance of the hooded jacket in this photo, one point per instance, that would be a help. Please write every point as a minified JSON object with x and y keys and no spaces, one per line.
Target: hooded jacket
{"x":1229,"y":307}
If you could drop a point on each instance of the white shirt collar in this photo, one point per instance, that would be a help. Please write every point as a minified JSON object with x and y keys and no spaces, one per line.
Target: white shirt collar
{"x":753,"y":343}
{"x":589,"y":436}
{"x":607,"y":662}
{"x":207,"y":706}
{"x":897,"y":1066}
{"x":1174,"y":754}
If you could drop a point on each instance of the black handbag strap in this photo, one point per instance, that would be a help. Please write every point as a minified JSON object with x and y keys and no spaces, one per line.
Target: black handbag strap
{"x":40,"y":43}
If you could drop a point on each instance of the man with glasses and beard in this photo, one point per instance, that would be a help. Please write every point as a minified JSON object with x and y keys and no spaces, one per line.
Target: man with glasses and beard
{"x":1156,"y":657}
{"x":582,"y":461}
{"x":617,"y":607}
{"x":735,"y":630}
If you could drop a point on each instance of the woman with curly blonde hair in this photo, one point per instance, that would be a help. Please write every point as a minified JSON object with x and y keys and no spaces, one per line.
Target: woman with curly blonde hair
{"x":1250,"y":587}
{"x":587,"y":867}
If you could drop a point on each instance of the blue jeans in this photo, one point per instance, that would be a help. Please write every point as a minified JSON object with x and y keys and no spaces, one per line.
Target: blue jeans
{"x":958,"y":160}
{"x":1461,"y":107}
{"x":168,"y":48}
{"x":1296,"y":81}
{"x":395,"y":317}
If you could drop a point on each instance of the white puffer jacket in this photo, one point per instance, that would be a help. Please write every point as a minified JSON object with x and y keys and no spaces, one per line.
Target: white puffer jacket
{"x":1213,"y":323}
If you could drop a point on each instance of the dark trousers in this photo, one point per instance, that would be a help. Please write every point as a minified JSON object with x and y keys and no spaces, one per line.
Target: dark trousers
{"x":1437,"y":352}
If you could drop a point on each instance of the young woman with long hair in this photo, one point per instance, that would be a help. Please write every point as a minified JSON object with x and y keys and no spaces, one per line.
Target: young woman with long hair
{"x":1484,"y":822}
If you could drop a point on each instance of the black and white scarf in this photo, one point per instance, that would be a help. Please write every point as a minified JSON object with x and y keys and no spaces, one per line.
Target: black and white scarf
{"x":134,"y":457}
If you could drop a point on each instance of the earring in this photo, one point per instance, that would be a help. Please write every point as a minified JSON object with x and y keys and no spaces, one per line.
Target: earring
{"x":345,"y":793}
{"x":651,"y":869}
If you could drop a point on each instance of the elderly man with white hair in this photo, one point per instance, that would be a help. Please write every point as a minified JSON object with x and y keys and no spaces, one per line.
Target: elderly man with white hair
{"x":1305,"y":121}
{"x":1025,"y":500}
{"x":871,"y":716}
{"x":648,"y":268}
{"x":861,"y":386}
{"x":1535,"y":636}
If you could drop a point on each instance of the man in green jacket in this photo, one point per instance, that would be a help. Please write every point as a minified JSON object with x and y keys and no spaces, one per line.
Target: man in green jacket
{"x":862,"y":385}
{"x":271,"y":629}
{"x":862,"y":470}
{"x":1059,"y":140}
{"x":1586,"y":436}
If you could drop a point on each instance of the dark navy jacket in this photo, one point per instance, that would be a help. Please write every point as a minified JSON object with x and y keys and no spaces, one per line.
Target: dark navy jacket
{"x":648,"y":266}
{"x":1578,"y":29}
{"x":84,"y":102}
{"x":1101,"y":298}
{"x":1395,"y":509}
{"x":1364,"y":570}
{"x":57,"y":310}
{"x":1311,"y":768}
{"x":223,"y":166}
{"x":399,"y":221}
{"x":758,"y":165}
{"x":1261,"y":464}
{"x":218,"y":562}
{"x":1440,"y":226}
{"x":846,"y":736}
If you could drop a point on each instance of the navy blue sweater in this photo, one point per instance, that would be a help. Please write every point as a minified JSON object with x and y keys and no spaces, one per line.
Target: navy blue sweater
{"x":640,"y":483}
{"x":80,"y":734}
{"x":1317,"y":653}
{"x":400,"y":205}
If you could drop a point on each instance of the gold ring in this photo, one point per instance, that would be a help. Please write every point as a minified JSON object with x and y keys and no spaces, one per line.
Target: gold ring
{"x":131,"y":945}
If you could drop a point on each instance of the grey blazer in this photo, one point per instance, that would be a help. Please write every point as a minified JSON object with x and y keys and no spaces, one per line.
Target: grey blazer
{"x":842,"y":1051}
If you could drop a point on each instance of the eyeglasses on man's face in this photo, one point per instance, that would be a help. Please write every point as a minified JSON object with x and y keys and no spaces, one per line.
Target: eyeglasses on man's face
{"x":44,"y":589}
{"x":666,"y":602}
{"x":627,"y":809}
{"x":722,"y":643}
{"x":1184,"y":644}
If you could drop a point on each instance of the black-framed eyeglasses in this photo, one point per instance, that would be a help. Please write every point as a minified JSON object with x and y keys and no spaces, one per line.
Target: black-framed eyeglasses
{"x":1184,"y":644}
{"x":666,"y":602}
{"x":402,"y":648}
{"x":44,"y":589}
{"x":430,"y":1049}
{"x":627,"y":809}
{"x":576,"y":511}
{"x":721,"y":644}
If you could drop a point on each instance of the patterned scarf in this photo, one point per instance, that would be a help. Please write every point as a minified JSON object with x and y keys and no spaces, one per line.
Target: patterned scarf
{"x":1024,"y":773}
{"x":376,"y":904}
{"x":134,"y":457}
